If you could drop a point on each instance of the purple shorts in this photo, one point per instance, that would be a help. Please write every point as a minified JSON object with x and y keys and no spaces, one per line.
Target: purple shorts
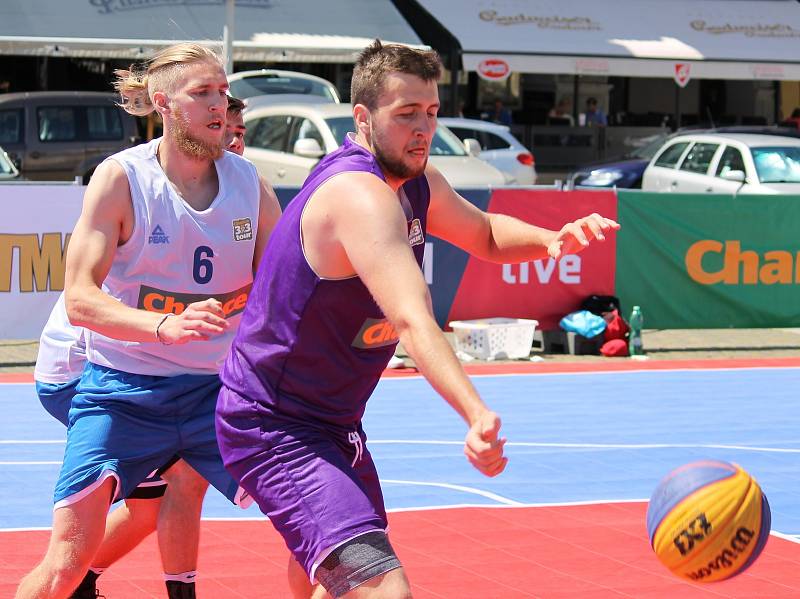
{"x":316,"y":482}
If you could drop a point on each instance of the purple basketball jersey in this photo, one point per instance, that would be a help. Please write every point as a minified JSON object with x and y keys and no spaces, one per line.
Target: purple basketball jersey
{"x":311,"y":347}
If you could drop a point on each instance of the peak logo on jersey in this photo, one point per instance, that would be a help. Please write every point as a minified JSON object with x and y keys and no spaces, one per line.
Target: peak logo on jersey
{"x":242,"y":229}
{"x":415,"y":236}
{"x":159,"y":300}
{"x":375,"y":333}
{"x":158,"y":236}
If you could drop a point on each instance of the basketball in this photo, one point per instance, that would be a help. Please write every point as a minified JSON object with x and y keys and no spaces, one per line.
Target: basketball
{"x":708,"y":521}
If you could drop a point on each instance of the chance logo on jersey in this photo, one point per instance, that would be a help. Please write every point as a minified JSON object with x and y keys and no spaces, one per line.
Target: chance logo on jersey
{"x":242,"y":229}
{"x":158,"y":300}
{"x":375,"y":333}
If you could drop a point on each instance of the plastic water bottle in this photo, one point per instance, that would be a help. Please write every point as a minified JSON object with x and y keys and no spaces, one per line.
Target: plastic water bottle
{"x":636,"y":322}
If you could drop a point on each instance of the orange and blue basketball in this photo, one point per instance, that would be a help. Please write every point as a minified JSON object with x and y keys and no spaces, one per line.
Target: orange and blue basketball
{"x":708,"y":521}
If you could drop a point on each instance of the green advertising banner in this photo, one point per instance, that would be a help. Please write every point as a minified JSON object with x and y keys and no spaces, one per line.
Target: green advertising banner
{"x":710,"y":261}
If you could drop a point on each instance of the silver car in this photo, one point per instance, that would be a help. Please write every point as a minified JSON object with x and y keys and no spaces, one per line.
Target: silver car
{"x":498,"y":147}
{"x":725,"y":163}
{"x":285,"y":141}
{"x":268,"y":82}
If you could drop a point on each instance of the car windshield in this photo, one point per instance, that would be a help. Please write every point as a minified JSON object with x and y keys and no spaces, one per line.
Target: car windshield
{"x":444,"y":142}
{"x":649,"y":149}
{"x":777,"y":164}
{"x":260,"y":85}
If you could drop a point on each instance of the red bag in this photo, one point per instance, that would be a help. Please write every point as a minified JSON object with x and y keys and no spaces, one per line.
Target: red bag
{"x":616,"y":327}
{"x":615,"y":348}
{"x":616,"y":336}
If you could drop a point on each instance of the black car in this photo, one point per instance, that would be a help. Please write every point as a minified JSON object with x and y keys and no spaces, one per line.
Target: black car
{"x":626,"y":171}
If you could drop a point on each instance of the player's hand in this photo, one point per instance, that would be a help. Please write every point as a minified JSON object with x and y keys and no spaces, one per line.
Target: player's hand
{"x":483,"y":447}
{"x":575,"y":236}
{"x":200,"y":321}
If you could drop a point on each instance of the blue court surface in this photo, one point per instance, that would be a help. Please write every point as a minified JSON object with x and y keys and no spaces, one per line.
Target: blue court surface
{"x":572,"y":438}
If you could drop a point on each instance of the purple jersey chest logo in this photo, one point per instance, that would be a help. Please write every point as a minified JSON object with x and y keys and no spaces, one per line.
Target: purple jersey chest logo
{"x":375,"y":333}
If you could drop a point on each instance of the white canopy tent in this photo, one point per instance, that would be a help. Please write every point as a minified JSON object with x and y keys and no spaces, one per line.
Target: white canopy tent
{"x":719,"y":39}
{"x":263,"y":30}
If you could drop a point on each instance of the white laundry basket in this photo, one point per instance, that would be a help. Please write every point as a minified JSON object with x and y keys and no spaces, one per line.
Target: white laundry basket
{"x":495,"y":338}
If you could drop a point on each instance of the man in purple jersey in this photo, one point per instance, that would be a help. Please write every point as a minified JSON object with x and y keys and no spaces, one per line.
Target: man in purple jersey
{"x":343,"y":284}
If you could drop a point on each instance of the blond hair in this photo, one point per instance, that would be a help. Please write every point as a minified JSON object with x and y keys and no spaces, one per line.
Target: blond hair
{"x":137,"y":84}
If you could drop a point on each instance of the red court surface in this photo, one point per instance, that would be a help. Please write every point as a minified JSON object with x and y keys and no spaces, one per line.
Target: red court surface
{"x":610,"y":365}
{"x":569,"y":552}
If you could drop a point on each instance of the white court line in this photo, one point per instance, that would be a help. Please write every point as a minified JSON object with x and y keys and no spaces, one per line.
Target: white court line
{"x":792,"y":538}
{"x":595,"y":445}
{"x":30,"y":463}
{"x":32,"y":441}
{"x":472,"y":490}
{"x":509,"y":444}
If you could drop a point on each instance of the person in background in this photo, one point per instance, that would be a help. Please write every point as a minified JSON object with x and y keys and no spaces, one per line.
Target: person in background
{"x":561,"y":113}
{"x":794,"y":120}
{"x":501,"y":114}
{"x":595,"y":117}
{"x":234,"y":127}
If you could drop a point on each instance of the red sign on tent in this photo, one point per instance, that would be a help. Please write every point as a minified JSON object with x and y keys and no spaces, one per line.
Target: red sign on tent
{"x":682,"y":73}
{"x":494,"y":69}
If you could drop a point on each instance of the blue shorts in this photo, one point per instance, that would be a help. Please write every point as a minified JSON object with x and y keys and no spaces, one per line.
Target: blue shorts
{"x":56,"y":399}
{"x":127,"y":426}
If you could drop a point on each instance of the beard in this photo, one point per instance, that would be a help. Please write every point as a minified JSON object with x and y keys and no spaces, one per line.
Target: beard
{"x":192,"y":146}
{"x":394,"y":165}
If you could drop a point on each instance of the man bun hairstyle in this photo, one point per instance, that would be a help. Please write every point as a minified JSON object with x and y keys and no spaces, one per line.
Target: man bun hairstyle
{"x":377,"y":61}
{"x":137,"y":84}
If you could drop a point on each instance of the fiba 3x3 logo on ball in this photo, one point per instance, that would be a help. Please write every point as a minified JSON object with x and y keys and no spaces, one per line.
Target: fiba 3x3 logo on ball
{"x":708,"y":521}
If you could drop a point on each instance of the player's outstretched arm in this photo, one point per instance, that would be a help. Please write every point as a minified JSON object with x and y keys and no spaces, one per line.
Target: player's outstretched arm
{"x":107,"y":221}
{"x":371,"y":227}
{"x":502,"y":238}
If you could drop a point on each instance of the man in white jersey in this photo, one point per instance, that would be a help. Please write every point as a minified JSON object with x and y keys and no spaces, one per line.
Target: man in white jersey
{"x":59,"y":364}
{"x":162,"y":256}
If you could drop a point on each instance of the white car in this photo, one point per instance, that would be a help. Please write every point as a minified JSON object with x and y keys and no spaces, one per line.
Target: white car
{"x":285,"y":141}
{"x":262,"y":82}
{"x":498,"y":147}
{"x":725,"y":163}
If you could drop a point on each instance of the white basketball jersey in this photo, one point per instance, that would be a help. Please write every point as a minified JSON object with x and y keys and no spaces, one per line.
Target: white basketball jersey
{"x":62,"y":349}
{"x":176,"y":256}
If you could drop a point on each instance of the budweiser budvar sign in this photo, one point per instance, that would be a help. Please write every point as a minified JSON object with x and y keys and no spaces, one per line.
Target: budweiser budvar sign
{"x":494,"y":69}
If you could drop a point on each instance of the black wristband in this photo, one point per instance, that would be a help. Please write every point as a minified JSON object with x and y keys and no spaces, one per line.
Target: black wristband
{"x":158,"y":327}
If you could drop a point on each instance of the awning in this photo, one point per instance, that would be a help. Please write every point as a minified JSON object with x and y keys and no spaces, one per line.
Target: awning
{"x":268,"y":30}
{"x":718,"y":39}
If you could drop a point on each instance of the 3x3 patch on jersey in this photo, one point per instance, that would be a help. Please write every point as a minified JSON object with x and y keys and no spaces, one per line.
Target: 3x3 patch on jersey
{"x":242,"y":229}
{"x":415,"y":236}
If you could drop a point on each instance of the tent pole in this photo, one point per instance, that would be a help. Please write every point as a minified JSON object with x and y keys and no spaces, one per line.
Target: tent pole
{"x":455,"y":72}
{"x":227,"y":35}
